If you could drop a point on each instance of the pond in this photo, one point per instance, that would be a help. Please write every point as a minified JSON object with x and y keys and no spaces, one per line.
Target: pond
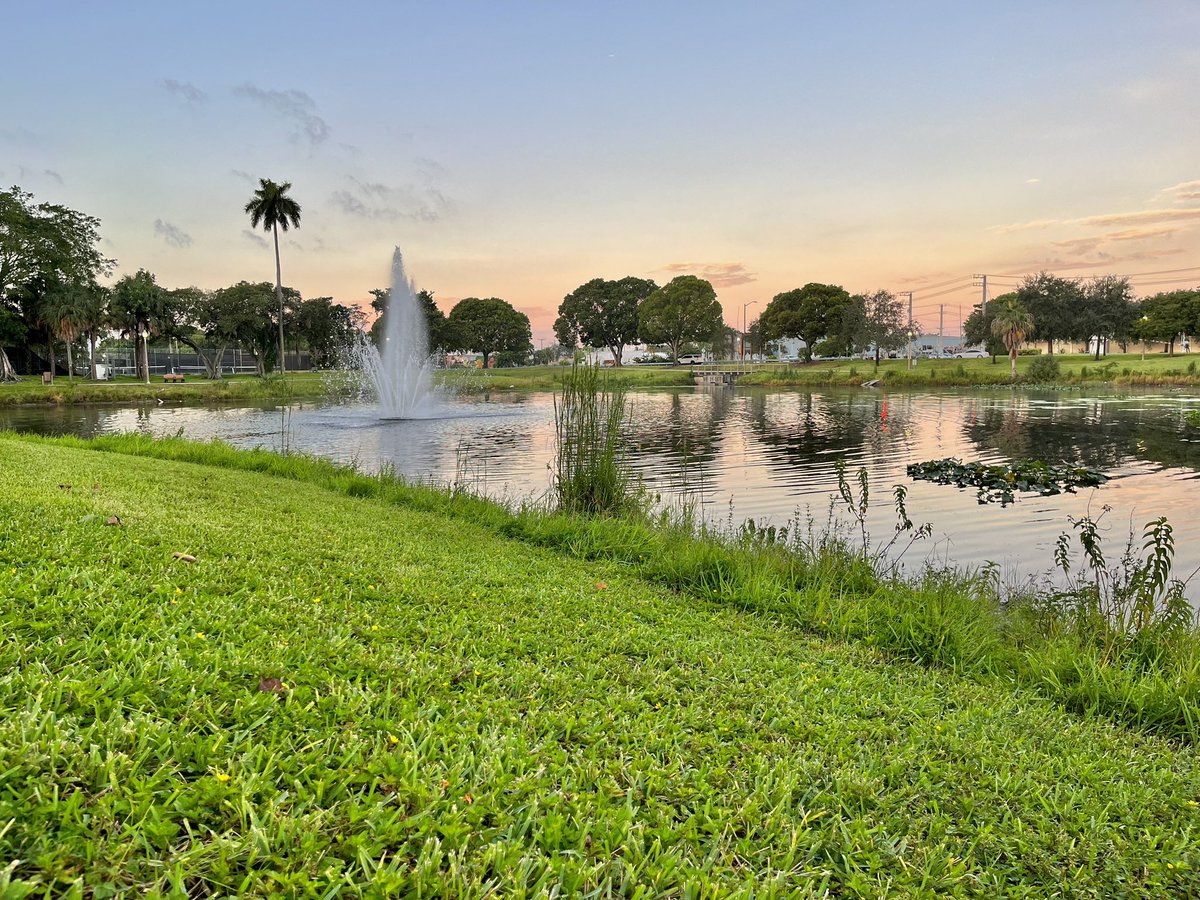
{"x":768,"y":455}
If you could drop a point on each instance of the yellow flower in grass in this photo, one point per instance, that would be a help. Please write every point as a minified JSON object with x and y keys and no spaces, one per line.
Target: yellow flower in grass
{"x":200,"y":635}
{"x":393,"y":740}
{"x":221,"y":777}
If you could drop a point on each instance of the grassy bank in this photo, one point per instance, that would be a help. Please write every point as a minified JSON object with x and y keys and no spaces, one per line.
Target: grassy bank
{"x":363,"y":685}
{"x":549,"y":378}
{"x":194,"y":390}
{"x":1129,"y":369}
{"x":1117,"y":369}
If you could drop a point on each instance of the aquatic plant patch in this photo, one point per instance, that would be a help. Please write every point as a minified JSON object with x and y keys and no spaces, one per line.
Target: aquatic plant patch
{"x":1002,"y":483}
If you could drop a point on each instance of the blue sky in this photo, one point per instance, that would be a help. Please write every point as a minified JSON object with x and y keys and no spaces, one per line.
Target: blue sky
{"x":519,"y":149}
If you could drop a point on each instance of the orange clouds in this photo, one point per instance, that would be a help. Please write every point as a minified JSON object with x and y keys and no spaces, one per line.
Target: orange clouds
{"x":717,"y":274}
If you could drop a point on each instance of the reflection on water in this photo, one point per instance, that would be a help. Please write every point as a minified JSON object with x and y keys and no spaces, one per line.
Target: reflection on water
{"x":762,"y":454}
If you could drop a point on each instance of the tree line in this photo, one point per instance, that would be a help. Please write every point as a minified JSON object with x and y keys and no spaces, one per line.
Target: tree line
{"x":51,"y":298}
{"x":615,"y":314}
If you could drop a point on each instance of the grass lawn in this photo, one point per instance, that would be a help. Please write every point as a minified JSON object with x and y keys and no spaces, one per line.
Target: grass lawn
{"x":460,"y":714}
{"x":130,"y":390}
{"x":1127,"y":369}
{"x":1117,"y":369}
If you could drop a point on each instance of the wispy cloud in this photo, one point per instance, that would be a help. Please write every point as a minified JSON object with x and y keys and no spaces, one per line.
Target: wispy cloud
{"x":1184,"y":192}
{"x":1143,"y":217}
{"x":172,"y":234}
{"x":244,"y":176}
{"x":1105,"y":220}
{"x":257,"y":239}
{"x":294,"y":106}
{"x":717,"y":274}
{"x":190,"y":94}
{"x":1024,"y":226}
{"x":382,"y":202}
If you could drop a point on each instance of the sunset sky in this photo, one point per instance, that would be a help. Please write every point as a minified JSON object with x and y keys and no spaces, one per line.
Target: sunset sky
{"x":519,"y":149}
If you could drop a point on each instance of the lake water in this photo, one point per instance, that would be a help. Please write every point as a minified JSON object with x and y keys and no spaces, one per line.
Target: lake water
{"x":767,"y":454}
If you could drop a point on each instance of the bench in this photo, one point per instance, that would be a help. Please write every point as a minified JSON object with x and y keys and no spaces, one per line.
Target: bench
{"x":173,"y":377}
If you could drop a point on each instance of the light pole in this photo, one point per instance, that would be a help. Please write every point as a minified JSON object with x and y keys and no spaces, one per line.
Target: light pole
{"x":745,"y":306}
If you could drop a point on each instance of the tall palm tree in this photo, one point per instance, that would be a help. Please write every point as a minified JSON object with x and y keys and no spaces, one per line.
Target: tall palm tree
{"x":275,"y":210}
{"x":1012,"y":324}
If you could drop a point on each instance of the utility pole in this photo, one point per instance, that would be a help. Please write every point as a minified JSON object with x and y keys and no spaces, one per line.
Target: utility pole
{"x":981,"y":281}
{"x":910,"y":331}
{"x":941,"y":330}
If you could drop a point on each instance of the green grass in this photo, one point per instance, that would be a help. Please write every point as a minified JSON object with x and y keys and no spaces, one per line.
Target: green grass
{"x":194,"y":390}
{"x":470,"y":715}
{"x":549,"y":378}
{"x":1121,"y":369}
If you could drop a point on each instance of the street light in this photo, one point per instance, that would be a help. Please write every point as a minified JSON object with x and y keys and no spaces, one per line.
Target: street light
{"x":745,"y":306}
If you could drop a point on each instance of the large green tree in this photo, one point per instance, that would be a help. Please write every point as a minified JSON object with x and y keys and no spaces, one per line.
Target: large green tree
{"x":1012,"y":324}
{"x":682,"y":310}
{"x":603,"y":314}
{"x":1055,"y":305}
{"x":44,"y":248}
{"x":977,"y":329}
{"x":1167,"y":315}
{"x":328,"y":329}
{"x":486,"y":326}
{"x":1108,"y":311}
{"x":810,"y":313}
{"x":435,"y":319}
{"x":275,"y":211}
{"x":243,"y":314}
{"x":876,"y":321}
{"x":137,"y":305}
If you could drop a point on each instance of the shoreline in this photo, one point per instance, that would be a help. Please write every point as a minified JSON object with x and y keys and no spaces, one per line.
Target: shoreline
{"x":1125,"y":371}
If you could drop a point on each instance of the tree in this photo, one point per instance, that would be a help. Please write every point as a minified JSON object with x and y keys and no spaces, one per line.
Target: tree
{"x":42,"y":247}
{"x":1055,"y":304}
{"x":603,"y":314}
{"x":1108,"y":310}
{"x":1165,"y":316}
{"x":977,"y":329}
{"x":435,"y":319}
{"x":137,"y":302}
{"x":488,"y":326}
{"x":272,"y":207}
{"x":877,"y":321}
{"x":1013,"y":322}
{"x":329,"y":329}
{"x":683,"y":309}
{"x":809,"y":313}
{"x":71,"y":311}
{"x":243,"y":314}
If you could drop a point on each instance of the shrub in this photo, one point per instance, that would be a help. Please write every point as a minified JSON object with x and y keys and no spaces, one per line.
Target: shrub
{"x":1044,"y":368}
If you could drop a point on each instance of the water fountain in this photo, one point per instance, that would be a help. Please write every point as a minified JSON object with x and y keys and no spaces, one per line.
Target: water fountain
{"x":400,"y":369}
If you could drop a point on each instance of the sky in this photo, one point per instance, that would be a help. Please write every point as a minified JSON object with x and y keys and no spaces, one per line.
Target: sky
{"x":520,"y":149}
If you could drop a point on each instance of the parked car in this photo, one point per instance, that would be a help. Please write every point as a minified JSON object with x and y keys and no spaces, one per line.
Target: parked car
{"x":971,"y":353}
{"x":691,"y":359}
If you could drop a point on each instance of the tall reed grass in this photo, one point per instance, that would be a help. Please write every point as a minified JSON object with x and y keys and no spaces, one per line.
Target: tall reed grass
{"x":591,"y":472}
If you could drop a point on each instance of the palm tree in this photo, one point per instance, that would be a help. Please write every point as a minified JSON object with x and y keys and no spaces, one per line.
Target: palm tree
{"x":59,"y":314}
{"x":1013,"y":322}
{"x":273,"y":208}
